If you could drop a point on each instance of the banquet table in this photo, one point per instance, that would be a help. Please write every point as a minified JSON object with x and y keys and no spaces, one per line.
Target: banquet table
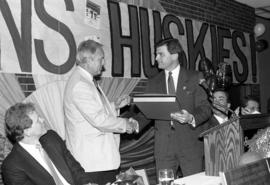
{"x":199,"y":179}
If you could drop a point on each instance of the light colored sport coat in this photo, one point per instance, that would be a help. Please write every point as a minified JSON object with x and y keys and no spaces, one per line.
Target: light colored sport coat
{"x":91,"y":125}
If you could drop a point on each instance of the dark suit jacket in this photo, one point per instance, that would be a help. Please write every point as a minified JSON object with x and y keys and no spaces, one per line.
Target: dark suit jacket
{"x":212,"y":122}
{"x":20,"y":168}
{"x":193,"y":98}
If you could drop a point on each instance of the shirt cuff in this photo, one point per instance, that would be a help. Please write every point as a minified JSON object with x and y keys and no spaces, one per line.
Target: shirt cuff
{"x":193,"y":123}
{"x":137,"y":128}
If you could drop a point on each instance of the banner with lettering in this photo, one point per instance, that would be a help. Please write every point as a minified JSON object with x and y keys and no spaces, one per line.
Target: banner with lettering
{"x":41,"y":37}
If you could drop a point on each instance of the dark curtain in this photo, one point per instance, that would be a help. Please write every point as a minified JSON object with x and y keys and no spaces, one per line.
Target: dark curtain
{"x":137,"y":151}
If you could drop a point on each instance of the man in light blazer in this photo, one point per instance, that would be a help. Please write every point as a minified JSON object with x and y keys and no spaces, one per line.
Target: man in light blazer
{"x":92,"y":124}
{"x":176,"y":140}
{"x":25,"y":165}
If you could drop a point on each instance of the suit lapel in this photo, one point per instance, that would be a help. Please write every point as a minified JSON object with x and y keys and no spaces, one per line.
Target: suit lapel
{"x":181,"y":84}
{"x":38,"y":172}
{"x":58,"y":161}
{"x":182,"y":78}
{"x":162,"y":82}
{"x":99,"y":93}
{"x":214,"y":121}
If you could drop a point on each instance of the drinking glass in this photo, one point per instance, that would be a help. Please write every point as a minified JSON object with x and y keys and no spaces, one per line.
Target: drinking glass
{"x":165,"y":176}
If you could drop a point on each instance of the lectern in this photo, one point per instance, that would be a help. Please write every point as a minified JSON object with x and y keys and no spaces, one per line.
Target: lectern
{"x":224,"y":144}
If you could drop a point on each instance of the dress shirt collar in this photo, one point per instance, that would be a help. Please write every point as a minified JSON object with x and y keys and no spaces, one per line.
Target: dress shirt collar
{"x":30,"y":147}
{"x":85,"y":73}
{"x":35,"y":151}
{"x":221,"y":119}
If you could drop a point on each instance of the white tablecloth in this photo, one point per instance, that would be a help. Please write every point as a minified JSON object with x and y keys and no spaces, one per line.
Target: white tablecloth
{"x":199,"y":179}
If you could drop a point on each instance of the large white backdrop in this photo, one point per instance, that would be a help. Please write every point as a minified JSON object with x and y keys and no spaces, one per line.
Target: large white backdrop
{"x":40,"y":37}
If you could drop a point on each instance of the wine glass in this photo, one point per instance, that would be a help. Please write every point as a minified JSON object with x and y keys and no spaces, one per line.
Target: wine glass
{"x":165,"y":176}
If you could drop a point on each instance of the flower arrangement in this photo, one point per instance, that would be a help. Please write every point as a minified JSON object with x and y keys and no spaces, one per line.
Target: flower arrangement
{"x":129,"y":177}
{"x":260,"y":142}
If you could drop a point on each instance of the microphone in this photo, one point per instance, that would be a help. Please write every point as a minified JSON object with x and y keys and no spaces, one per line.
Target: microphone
{"x":202,"y":82}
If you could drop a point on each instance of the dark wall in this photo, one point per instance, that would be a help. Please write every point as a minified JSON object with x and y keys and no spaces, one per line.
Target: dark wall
{"x":264,"y":66}
{"x":224,"y":13}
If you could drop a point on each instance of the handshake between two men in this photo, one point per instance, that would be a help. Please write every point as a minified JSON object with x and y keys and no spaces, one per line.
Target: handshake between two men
{"x":182,"y":116}
{"x":132,"y":124}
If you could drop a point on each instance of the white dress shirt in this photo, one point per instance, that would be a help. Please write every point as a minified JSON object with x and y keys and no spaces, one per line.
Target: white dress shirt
{"x":221,"y":119}
{"x":175,"y":74}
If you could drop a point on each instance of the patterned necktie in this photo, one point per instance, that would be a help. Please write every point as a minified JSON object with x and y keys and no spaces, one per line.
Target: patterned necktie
{"x":171,"y":88}
{"x":49,"y":163}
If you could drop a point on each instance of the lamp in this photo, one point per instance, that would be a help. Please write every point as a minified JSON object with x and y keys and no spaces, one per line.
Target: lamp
{"x":259,"y":29}
{"x":261,"y":45}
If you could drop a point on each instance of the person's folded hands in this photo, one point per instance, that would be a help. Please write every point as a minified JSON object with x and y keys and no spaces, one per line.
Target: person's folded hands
{"x":183,"y":116}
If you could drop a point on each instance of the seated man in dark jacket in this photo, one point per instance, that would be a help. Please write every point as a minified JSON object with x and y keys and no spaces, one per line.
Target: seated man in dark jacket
{"x":38,"y":157}
{"x":220,"y":106}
